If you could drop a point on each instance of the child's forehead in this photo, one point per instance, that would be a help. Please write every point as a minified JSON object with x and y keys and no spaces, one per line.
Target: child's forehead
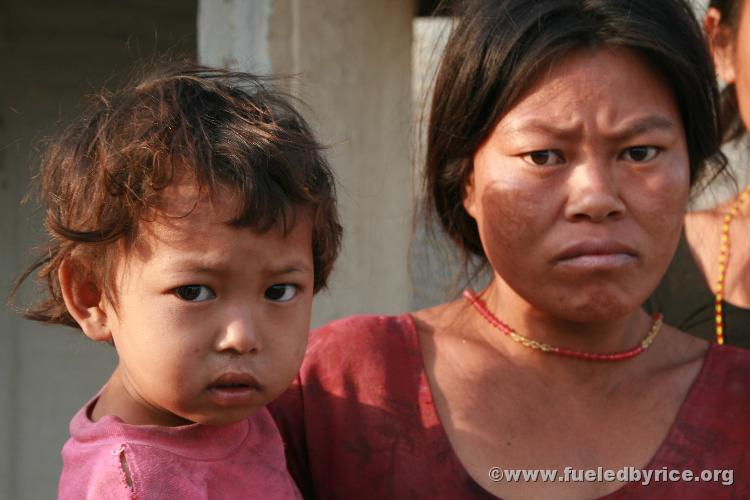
{"x":187,"y":211}
{"x":185,"y":195}
{"x":206,"y":230}
{"x":185,"y":202}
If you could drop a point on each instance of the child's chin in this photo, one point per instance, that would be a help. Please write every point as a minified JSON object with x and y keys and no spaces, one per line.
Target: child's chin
{"x":225,"y":417}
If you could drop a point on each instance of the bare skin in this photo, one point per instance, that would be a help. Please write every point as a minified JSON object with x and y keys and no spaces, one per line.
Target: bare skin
{"x":703,"y":232}
{"x":564,"y":413}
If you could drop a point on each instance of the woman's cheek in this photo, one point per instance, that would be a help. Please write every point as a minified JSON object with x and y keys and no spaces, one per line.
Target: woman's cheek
{"x":510,"y":218}
{"x":662,"y":200}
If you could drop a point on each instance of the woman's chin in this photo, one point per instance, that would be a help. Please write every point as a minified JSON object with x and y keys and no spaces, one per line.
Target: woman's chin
{"x":592,"y":309}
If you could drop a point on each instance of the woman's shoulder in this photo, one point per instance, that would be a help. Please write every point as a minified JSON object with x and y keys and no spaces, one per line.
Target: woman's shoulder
{"x":360,"y":359}
{"x":730,"y":364}
{"x":362,"y":324}
{"x":374,"y":333}
{"x":380,"y":336}
{"x":724,"y":383}
{"x":712,"y":429}
{"x":362,"y":347}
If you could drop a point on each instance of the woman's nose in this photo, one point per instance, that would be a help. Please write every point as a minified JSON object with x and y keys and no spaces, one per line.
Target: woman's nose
{"x":240,"y":335}
{"x":594,"y":193}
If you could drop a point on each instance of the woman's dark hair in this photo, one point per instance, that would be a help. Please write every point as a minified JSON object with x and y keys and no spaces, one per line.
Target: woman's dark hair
{"x":732,"y":127}
{"x":497,"y":49}
{"x":104,"y":174}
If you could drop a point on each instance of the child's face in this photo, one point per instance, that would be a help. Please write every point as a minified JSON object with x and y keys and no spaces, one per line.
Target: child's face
{"x":212,"y":320}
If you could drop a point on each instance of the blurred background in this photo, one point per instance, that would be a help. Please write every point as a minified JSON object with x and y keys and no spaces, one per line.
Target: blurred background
{"x":363,"y":67}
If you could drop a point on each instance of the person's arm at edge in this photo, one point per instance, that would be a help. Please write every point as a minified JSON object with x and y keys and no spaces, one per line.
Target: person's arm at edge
{"x":289,"y":415}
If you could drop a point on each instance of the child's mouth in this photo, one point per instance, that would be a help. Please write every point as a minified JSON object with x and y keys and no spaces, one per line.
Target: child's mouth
{"x":234,"y":389}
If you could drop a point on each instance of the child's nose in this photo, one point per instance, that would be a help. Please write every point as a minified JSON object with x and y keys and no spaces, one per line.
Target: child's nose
{"x":240,"y":335}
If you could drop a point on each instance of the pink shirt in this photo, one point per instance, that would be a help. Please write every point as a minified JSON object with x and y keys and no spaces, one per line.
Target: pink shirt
{"x":242,"y":460}
{"x":360,"y":422}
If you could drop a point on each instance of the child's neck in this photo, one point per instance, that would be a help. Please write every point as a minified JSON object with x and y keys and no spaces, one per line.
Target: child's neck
{"x":118,"y":401}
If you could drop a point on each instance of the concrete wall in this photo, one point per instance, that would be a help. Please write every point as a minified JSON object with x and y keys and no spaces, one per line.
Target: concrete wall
{"x":351,"y":62}
{"x":53,"y":53}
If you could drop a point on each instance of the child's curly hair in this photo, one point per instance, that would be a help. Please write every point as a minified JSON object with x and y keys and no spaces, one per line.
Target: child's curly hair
{"x":104,"y":173}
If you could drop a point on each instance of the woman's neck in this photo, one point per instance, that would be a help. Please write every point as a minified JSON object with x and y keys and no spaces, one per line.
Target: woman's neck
{"x":601,"y":336}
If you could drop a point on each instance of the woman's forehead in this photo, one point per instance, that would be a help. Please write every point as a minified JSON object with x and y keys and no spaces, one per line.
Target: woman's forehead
{"x":618,"y":80}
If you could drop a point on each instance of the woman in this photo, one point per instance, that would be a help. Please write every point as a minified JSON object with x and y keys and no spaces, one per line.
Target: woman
{"x":564,"y":137}
{"x":706,"y":290}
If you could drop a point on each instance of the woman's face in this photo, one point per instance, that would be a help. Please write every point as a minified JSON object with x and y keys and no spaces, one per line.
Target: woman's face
{"x":579,"y":192}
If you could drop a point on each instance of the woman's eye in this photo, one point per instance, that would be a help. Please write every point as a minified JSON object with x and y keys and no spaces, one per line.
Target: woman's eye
{"x":640,"y":153}
{"x":194,"y":293}
{"x":281,"y":293}
{"x":543,"y":158}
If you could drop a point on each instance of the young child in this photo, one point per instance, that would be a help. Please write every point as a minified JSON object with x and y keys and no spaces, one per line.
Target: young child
{"x":192,"y":218}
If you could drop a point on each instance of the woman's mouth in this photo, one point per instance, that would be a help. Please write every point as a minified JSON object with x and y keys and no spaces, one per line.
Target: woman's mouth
{"x":598,"y":260}
{"x":596,"y":254}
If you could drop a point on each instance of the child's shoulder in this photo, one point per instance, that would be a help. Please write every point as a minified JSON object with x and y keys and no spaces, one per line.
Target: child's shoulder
{"x":111,"y":459}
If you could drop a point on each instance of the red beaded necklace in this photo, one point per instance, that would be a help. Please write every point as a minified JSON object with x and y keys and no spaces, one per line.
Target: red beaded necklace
{"x":481,"y":307}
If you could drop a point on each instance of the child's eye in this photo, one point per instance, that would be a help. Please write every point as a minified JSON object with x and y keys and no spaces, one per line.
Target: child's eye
{"x":640,"y":154}
{"x":543,"y":158}
{"x":281,"y":293}
{"x":194,"y":293}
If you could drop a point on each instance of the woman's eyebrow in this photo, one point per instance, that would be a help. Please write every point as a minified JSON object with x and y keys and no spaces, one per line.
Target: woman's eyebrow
{"x":543,"y":126}
{"x":573,"y":132}
{"x":643,"y":125}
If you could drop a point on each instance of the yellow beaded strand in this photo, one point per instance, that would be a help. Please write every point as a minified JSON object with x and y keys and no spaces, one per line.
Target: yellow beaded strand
{"x":724,"y":262}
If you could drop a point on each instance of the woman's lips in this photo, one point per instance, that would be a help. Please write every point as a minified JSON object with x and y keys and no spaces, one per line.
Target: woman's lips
{"x":596,"y":254}
{"x":599,"y":260}
{"x":234,"y":389}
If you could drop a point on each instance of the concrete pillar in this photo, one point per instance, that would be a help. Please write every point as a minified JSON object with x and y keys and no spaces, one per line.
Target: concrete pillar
{"x":352,"y":66}
{"x":234,"y":34}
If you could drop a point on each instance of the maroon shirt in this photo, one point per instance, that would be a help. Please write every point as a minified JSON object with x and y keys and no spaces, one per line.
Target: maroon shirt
{"x":360,"y":422}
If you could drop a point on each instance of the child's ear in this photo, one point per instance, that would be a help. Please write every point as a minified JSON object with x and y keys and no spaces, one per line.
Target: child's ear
{"x":84,"y":300}
{"x":721,"y":41}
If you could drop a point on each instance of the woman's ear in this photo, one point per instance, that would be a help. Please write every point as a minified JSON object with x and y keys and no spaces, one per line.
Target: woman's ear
{"x":469,"y":200}
{"x":721,"y":42}
{"x":83,"y":299}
